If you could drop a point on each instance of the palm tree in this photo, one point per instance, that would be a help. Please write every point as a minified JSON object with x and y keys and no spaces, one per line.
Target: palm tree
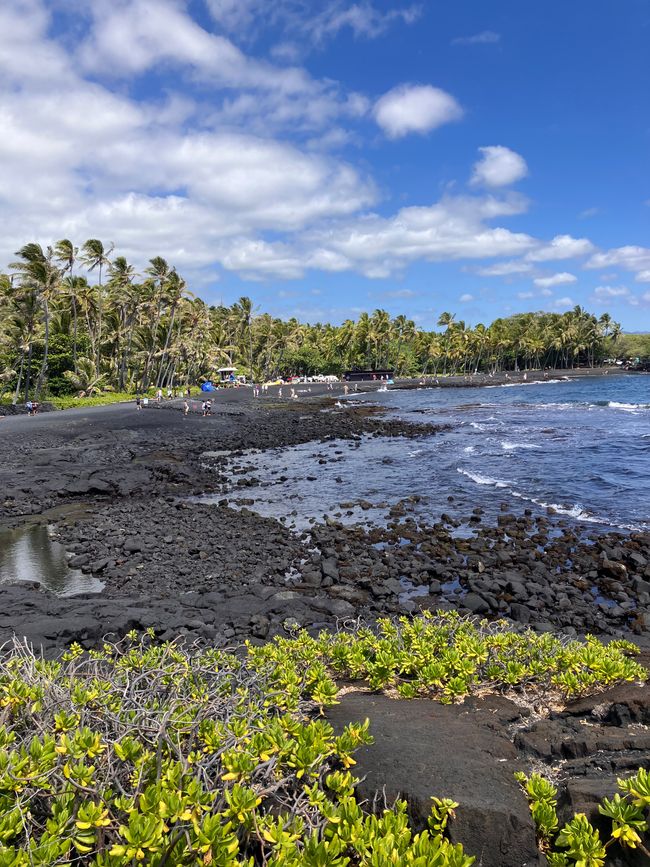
{"x":66,"y":254}
{"x":37,"y":272}
{"x":95,"y":255}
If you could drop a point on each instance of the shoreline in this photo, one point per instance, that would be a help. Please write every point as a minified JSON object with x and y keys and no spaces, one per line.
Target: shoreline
{"x":216,"y":572}
{"x":114,"y":484}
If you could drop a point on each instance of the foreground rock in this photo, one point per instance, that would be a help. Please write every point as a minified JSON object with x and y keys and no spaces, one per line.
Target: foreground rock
{"x":417,"y":754}
{"x":469,"y":752}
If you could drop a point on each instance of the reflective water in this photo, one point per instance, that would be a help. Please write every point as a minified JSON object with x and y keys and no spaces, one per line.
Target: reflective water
{"x":30,"y":554}
{"x":579,"y":447}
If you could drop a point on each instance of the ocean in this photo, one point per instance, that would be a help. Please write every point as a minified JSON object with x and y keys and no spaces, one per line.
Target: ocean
{"x":578,"y":447}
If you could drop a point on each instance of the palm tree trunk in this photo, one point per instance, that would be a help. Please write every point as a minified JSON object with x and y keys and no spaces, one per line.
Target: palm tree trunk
{"x":74,"y":333}
{"x":29,"y":370}
{"x":20,"y":377}
{"x":41,"y":374}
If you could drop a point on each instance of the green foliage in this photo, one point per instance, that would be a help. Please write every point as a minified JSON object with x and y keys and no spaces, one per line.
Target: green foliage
{"x":150,"y":754}
{"x":72,"y":401}
{"x":156,"y":755}
{"x":446,"y":656}
{"x":578,"y":842}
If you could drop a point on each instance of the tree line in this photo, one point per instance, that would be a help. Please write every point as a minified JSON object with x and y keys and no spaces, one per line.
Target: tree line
{"x":82,"y":319}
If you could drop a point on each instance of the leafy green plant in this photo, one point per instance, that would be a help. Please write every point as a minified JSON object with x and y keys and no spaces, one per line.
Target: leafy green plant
{"x":578,"y":842}
{"x":160,"y":755}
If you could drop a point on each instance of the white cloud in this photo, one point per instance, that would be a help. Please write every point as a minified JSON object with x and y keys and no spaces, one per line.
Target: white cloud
{"x":254,"y":258}
{"x":611,"y":291}
{"x":564,"y":303}
{"x":498,"y":167}
{"x":631,"y":258}
{"x":589,"y":212}
{"x":547,"y":293}
{"x":561,"y":247}
{"x":485,"y":37}
{"x":453,"y":228}
{"x":415,"y":108}
{"x":317,"y":22}
{"x":466,"y":298}
{"x":555,"y":280}
{"x":523,"y":295}
{"x":505,"y":269}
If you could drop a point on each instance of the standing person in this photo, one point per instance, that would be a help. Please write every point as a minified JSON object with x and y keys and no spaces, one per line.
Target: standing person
{"x":169,"y":394}
{"x":189,"y":391}
{"x":208,"y":407}
{"x":159,"y":395}
{"x":204,"y":408}
{"x":186,"y":407}
{"x":29,"y":407}
{"x":138,"y":403}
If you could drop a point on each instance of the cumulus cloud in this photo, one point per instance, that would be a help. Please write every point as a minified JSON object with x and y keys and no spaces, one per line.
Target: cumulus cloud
{"x":415,"y":108}
{"x":465,"y":298}
{"x":561,"y":247}
{"x":564,"y":303}
{"x":452,"y":229}
{"x":555,"y":280}
{"x":498,"y":167}
{"x":485,"y":37}
{"x":631,"y":258}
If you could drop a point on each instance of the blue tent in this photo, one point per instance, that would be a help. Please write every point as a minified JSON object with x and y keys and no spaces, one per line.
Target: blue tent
{"x":207,"y":386}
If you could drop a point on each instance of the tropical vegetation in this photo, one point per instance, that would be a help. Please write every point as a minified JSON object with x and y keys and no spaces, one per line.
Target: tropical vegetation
{"x":81,"y":320}
{"x":164,"y":754}
{"x":578,"y":842}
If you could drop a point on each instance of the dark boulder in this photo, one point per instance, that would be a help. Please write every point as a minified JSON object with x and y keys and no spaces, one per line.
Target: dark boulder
{"x":423,"y":749}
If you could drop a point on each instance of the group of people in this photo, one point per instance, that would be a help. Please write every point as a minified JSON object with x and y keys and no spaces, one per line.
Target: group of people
{"x":32,"y":407}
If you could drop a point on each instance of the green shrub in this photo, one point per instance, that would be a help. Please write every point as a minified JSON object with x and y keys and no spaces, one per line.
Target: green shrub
{"x":143,"y":753}
{"x":578,"y":842}
{"x":446,"y":657}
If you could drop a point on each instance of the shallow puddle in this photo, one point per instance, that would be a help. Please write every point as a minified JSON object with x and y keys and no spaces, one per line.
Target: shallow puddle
{"x":30,"y":554}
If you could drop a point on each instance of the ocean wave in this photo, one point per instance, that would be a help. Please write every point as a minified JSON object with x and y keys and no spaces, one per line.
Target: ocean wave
{"x":509,"y":447}
{"x":483,"y":480}
{"x":532,"y":382}
{"x":576,"y":510}
{"x":469,"y":450}
{"x":627,"y":407}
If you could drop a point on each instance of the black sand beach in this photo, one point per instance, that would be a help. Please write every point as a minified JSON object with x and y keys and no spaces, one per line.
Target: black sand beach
{"x":116,"y":485}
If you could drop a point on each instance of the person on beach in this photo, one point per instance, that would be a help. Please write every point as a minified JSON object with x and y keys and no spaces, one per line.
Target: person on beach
{"x":169,"y":394}
{"x":138,"y":403}
{"x":204,"y":408}
{"x":208,"y":407}
{"x":346,"y":388}
{"x":28,"y":407}
{"x":159,"y":395}
{"x":186,"y":408}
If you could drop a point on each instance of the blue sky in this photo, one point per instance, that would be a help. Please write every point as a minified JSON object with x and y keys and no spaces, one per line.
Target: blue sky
{"x":335,"y":156}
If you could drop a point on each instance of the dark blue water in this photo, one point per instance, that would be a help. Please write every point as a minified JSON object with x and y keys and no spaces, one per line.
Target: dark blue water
{"x":580,"y":447}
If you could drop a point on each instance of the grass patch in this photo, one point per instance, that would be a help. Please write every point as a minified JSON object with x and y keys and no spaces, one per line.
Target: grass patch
{"x":142,"y":753}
